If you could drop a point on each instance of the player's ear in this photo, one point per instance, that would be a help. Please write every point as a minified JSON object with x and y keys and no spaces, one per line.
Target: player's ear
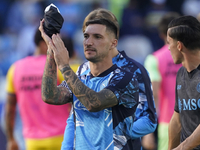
{"x":179,"y":45}
{"x":114,"y":43}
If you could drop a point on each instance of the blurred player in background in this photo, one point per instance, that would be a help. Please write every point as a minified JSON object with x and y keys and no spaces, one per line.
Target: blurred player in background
{"x":162,"y":72}
{"x":43,"y":124}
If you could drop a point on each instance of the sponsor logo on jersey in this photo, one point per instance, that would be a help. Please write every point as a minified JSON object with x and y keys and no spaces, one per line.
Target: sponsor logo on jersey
{"x":190,"y":104}
{"x":78,"y":105}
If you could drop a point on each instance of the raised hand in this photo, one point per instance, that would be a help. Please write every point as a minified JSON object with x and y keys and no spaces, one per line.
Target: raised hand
{"x":46,"y":38}
{"x":61,"y":54}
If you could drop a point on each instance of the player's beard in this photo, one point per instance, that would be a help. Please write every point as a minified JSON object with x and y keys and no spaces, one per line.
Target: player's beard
{"x":97,"y":58}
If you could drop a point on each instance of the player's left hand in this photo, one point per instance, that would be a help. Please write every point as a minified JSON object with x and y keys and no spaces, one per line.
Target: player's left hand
{"x":61,"y":54}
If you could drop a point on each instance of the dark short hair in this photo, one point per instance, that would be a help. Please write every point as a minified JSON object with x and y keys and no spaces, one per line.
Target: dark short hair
{"x":165,"y":20}
{"x":37,"y":37}
{"x":186,"y":29}
{"x":104,"y":17}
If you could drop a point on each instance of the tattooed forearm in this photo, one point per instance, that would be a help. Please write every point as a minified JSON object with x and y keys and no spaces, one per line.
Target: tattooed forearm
{"x":57,"y":96}
{"x":93,"y":101}
{"x":50,"y":66}
{"x":50,"y":92}
{"x":48,"y":87}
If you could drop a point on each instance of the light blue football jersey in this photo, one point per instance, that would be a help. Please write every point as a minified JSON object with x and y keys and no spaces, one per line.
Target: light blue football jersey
{"x":138,"y":122}
{"x":94,"y":130}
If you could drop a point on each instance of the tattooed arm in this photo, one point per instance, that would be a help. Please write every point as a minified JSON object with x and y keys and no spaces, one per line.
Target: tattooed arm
{"x":93,"y":101}
{"x":50,"y":92}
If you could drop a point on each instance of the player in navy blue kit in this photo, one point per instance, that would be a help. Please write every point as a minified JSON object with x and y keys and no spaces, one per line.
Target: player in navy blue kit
{"x":121,"y":97}
{"x":183,"y":37}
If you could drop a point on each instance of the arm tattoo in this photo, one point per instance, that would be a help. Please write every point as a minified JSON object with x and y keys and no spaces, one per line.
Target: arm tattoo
{"x":50,"y":92}
{"x":93,"y":101}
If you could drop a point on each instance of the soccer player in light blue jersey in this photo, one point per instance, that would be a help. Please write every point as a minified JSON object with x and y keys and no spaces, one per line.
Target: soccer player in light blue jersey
{"x":113,"y":104}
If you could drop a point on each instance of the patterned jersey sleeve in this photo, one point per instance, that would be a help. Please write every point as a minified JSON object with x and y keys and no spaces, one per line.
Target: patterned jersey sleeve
{"x":125,"y":86}
{"x":145,"y":116}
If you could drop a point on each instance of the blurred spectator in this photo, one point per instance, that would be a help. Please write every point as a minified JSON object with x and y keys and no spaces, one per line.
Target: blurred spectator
{"x":31,"y":15}
{"x":72,"y":13}
{"x":191,"y":7}
{"x":153,"y":13}
{"x":22,"y":13}
{"x":162,"y":72}
{"x":8,"y":54}
{"x":25,"y":45}
{"x":4,"y":5}
{"x":116,"y":7}
{"x":175,"y":5}
{"x":17,"y":37}
{"x":132,"y":20}
{"x":132,"y":33}
{"x":136,"y":47}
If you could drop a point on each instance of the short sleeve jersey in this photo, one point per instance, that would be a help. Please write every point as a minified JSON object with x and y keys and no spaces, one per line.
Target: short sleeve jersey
{"x":188,"y":101}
